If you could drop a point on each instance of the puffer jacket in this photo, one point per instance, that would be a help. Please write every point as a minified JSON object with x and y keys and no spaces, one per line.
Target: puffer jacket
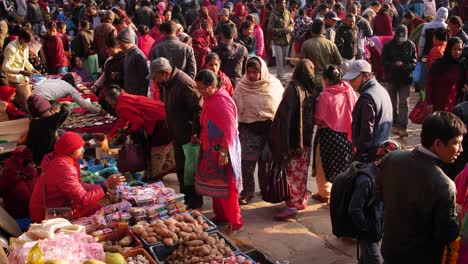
{"x":406,"y":53}
{"x":64,"y":188}
{"x":346,"y":40}
{"x":280,"y":25}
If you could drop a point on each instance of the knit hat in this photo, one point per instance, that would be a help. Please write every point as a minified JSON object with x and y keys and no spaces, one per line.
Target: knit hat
{"x":126,"y":36}
{"x":387,"y":147}
{"x":68,"y":143}
{"x":38,"y":106}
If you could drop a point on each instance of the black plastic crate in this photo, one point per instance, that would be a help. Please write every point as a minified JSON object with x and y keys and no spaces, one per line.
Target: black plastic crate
{"x":258,"y":256}
{"x":246,"y":256}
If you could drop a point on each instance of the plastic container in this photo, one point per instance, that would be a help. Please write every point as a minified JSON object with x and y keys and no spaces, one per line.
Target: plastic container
{"x":120,"y":233}
{"x":246,"y":256}
{"x":258,"y":256}
{"x":140,"y":251}
{"x":160,"y":252}
{"x":146,"y":244}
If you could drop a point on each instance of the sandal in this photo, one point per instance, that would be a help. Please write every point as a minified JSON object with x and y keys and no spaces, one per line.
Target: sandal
{"x":245,"y":200}
{"x":286,"y":214}
{"x":319,"y":198}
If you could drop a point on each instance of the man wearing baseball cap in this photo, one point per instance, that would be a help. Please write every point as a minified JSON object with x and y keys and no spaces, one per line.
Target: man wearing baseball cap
{"x":331,"y":19}
{"x":223,"y":20}
{"x":372,"y":114}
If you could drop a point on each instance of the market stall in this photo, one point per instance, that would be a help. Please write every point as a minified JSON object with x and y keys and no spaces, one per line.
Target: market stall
{"x":142,"y":225}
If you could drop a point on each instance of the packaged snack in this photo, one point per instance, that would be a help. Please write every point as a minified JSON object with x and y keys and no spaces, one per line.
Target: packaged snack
{"x":98,"y":220}
{"x":152,"y":209}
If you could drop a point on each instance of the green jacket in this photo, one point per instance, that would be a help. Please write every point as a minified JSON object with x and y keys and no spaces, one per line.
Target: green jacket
{"x":280,"y":25}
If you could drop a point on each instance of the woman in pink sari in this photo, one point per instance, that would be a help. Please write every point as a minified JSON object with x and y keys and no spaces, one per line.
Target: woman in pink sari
{"x":218,"y":172}
{"x":154,"y":33}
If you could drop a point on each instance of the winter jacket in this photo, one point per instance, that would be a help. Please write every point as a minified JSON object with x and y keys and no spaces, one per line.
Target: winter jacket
{"x":406,"y":53}
{"x":202,"y":42}
{"x":179,"y":54}
{"x":417,"y":7}
{"x":436,"y":52}
{"x":183,"y":106}
{"x":34,"y":14}
{"x":413,"y":187}
{"x":144,"y":16}
{"x":234,"y":57}
{"x":135,"y":72}
{"x":101,"y":34}
{"x":383,"y":25}
{"x":226,"y":83}
{"x":64,"y":188}
{"x":82,"y":44}
{"x":346,"y":40}
{"x":280,"y":25}
{"x":415,"y":22}
{"x":372,"y":120}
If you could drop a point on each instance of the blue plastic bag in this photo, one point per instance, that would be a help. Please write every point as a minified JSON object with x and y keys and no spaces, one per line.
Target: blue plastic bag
{"x":419,"y":74}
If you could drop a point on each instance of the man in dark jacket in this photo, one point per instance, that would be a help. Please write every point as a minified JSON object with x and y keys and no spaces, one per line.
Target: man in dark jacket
{"x":183,"y":108}
{"x":419,"y":199}
{"x":346,"y":38}
{"x":364,"y":27}
{"x":372,"y":114}
{"x":399,"y":60}
{"x":233,"y":55}
{"x":135,"y":66}
{"x":179,"y":54}
{"x":144,"y":15}
{"x":223,"y":20}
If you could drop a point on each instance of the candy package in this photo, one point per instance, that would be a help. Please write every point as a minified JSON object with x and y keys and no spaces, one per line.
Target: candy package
{"x":98,"y":220}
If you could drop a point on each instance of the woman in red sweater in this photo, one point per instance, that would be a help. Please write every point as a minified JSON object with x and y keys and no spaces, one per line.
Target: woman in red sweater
{"x":383,"y":22}
{"x":145,"y":41}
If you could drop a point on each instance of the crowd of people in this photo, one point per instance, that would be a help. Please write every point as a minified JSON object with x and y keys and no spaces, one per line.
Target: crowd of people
{"x":198,"y":72}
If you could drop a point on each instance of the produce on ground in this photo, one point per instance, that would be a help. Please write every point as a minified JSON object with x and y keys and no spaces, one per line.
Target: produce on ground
{"x":138,"y":259}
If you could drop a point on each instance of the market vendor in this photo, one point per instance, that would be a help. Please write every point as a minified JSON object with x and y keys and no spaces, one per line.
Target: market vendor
{"x":61,"y":181}
{"x":54,"y":89}
{"x":139,"y":112}
{"x":17,"y":67}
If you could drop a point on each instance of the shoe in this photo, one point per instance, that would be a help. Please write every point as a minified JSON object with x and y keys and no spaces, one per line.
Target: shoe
{"x":245,"y":200}
{"x":319,"y":198}
{"x":234,"y":232}
{"x":286,"y":214}
{"x":395,"y":130}
{"x":216,"y":221}
{"x":403,"y":133}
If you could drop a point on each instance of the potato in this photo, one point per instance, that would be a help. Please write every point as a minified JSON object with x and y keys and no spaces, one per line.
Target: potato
{"x":152,"y":234}
{"x":196,"y":213}
{"x":144,"y":234}
{"x":168,"y":242}
{"x":200,"y":220}
{"x":126,"y":241}
{"x":205,"y":250}
{"x":151,"y":240}
{"x":195,"y":243}
{"x":206,"y":226}
{"x":164,"y":232}
{"x":187,"y":229}
{"x":195,"y":260}
{"x":138,"y":229}
{"x":149,"y":229}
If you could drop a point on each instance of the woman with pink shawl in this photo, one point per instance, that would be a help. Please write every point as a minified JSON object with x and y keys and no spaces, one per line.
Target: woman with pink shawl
{"x":218,"y":172}
{"x":333,"y":116}
{"x":462,"y":200}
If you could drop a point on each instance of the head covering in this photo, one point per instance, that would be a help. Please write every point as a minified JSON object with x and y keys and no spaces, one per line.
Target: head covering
{"x":6,"y":93}
{"x":203,"y":12}
{"x":126,"y":36}
{"x":387,"y":147}
{"x":38,"y":106}
{"x":258,"y":100}
{"x":369,"y":12}
{"x":356,"y":68}
{"x":158,"y":65}
{"x":442,"y":14}
{"x":442,"y":65}
{"x":332,"y":15}
{"x":109,"y":16}
{"x":238,"y":12}
{"x":161,"y":6}
{"x":224,"y":11}
{"x":68,"y":143}
{"x":229,"y":5}
{"x":401,"y":34}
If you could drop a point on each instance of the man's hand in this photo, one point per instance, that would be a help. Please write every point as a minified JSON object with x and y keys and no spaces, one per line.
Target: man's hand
{"x":398,"y":63}
{"x":103,"y":112}
{"x":223,"y":158}
{"x":26,"y":73}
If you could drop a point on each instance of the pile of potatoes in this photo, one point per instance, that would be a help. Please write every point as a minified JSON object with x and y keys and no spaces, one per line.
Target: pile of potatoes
{"x":194,"y":244}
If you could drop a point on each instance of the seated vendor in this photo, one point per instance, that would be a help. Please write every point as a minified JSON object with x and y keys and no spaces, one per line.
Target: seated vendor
{"x":61,"y":181}
{"x":54,"y":89}
{"x":8,"y":109}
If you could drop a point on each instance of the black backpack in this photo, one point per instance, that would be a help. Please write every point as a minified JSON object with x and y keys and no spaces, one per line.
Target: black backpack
{"x":340,"y":197}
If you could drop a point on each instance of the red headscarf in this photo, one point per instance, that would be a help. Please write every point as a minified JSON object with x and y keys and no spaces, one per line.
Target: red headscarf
{"x":239,"y":10}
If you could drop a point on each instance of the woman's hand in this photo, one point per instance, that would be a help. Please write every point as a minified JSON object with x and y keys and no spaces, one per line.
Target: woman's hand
{"x":223,"y":158}
{"x":114,"y":180}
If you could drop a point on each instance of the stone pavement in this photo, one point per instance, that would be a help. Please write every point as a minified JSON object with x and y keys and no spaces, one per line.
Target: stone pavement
{"x":304,"y":240}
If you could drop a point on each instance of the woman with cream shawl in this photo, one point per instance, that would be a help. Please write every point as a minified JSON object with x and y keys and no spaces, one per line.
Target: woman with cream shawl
{"x":218,"y":172}
{"x":257,"y":96}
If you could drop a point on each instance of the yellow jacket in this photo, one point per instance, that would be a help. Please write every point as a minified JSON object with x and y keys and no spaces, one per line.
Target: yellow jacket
{"x":16,"y":60}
